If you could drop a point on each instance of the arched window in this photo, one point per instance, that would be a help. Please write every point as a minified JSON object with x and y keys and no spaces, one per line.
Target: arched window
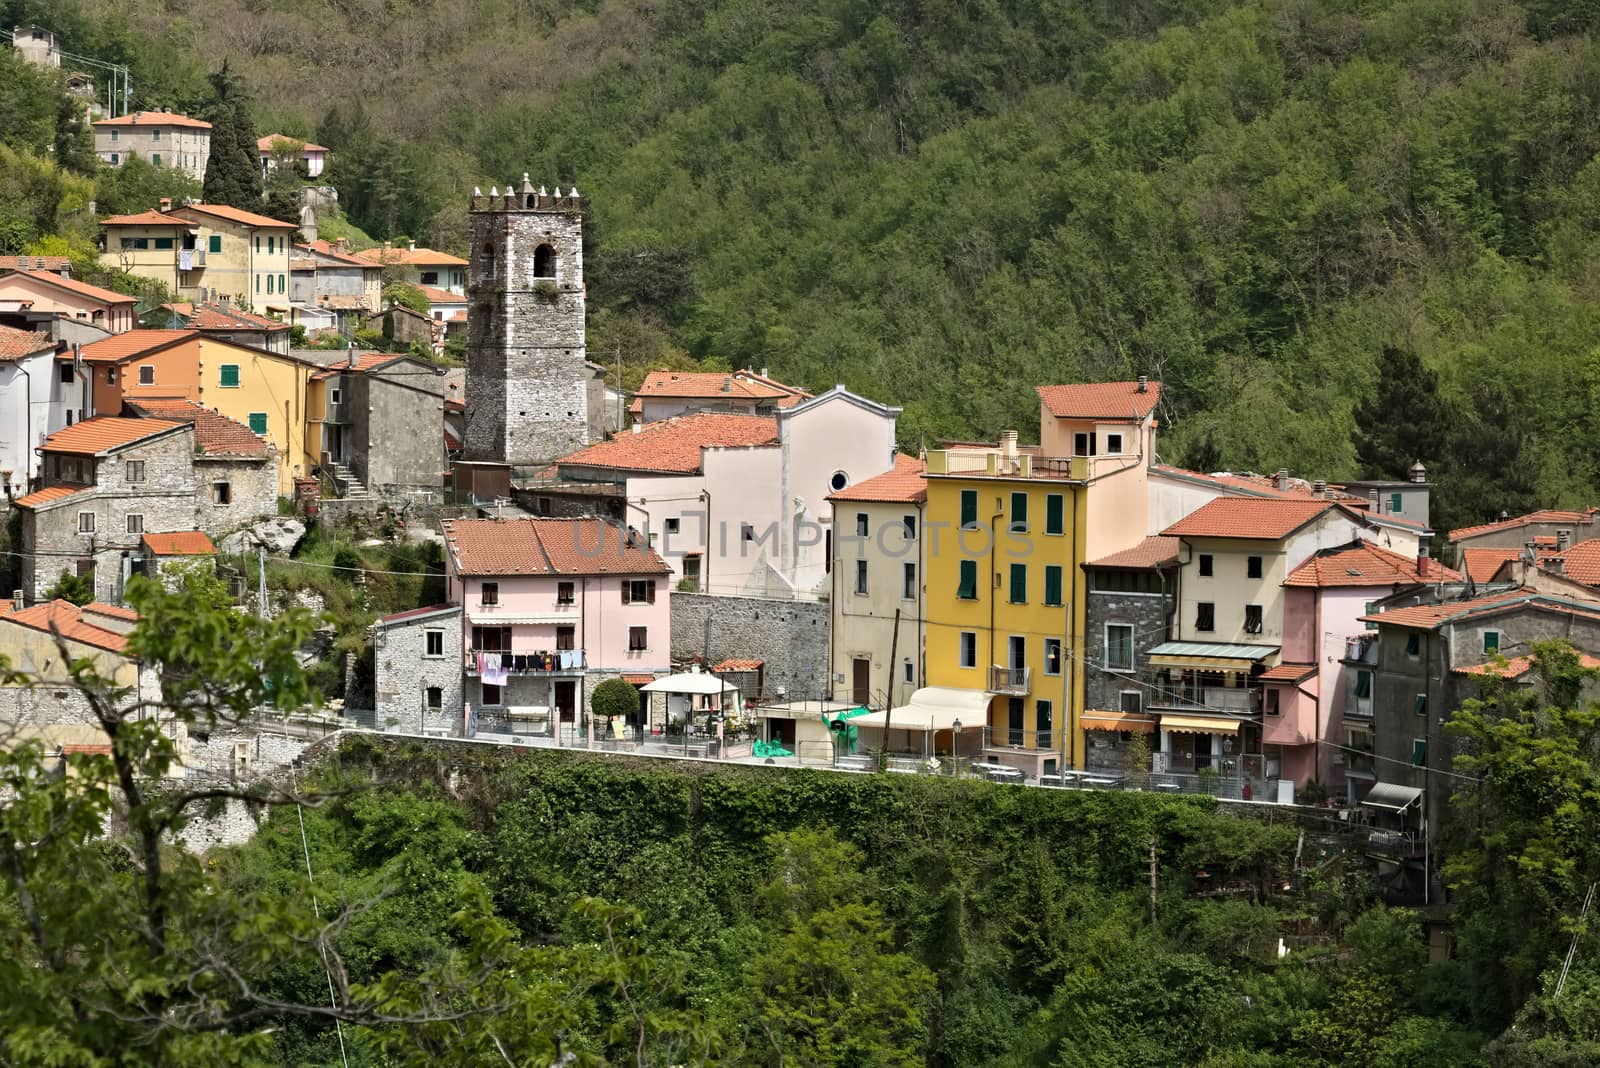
{"x":544,"y":262}
{"x":486,"y":258}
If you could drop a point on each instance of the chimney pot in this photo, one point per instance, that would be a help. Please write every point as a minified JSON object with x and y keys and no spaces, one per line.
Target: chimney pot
{"x":1283,"y":480}
{"x":1319,"y":489}
{"x":352,"y":357}
{"x":1563,"y":539}
{"x":16,"y":600}
{"x":1144,"y":383}
{"x":1418,"y":472}
{"x":1008,"y":444}
{"x":1423,"y":552}
{"x":411,"y":246}
{"x":166,"y":204}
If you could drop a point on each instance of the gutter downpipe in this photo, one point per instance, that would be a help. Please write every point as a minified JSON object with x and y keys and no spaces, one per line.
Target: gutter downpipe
{"x":994,"y":539}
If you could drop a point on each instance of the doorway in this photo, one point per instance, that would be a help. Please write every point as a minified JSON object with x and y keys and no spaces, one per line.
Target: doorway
{"x":861,"y":680}
{"x":567,"y":699}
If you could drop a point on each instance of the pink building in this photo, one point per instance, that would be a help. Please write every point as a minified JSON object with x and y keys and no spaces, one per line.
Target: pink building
{"x":1303,"y":697}
{"x":550,"y":608}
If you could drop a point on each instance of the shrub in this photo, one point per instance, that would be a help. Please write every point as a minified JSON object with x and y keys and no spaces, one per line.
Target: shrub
{"x":613,"y":697}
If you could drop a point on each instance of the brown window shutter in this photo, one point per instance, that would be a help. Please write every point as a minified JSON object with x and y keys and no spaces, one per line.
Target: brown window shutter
{"x":650,"y":592}
{"x":626,"y":590}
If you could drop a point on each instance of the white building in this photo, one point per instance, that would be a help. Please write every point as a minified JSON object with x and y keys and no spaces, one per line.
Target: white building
{"x":39,"y":394}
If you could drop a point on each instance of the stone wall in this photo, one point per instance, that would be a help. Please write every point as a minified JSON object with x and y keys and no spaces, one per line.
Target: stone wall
{"x":397,"y":429}
{"x":252,"y":491}
{"x":790,"y":636}
{"x":1147,"y":614}
{"x":403,"y":673}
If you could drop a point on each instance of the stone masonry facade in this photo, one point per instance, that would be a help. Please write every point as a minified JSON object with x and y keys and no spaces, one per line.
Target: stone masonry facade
{"x":251,"y":491}
{"x":1146,"y":613}
{"x":406,"y":674}
{"x":791,"y":636}
{"x":527,"y":386}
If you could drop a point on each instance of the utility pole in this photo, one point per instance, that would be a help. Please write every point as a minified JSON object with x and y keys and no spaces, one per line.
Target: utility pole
{"x":888,"y":705}
{"x":261,"y":588}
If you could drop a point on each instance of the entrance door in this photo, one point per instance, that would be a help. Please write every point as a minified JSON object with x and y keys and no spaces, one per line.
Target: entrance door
{"x":1202,"y":751}
{"x":861,"y":681}
{"x":567,"y":699}
{"x":1016,"y":658}
{"x":1014,"y":721}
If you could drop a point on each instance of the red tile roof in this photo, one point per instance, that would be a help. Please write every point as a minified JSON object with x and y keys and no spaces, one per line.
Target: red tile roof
{"x":638,"y":680}
{"x":907,"y":483}
{"x":116,"y":611}
{"x":144,"y":218}
{"x":265,"y":144}
{"x":1150,"y":554}
{"x":417,"y":613}
{"x":365,"y":361}
{"x":214,"y":433}
{"x":529,"y":546}
{"x":103,"y":433}
{"x":333,"y":252}
{"x":1100,"y":400}
{"x":15,"y":344}
{"x":72,"y":285}
{"x":53,"y":264}
{"x":119,"y":347}
{"x":1251,"y":484}
{"x":745,"y":384}
{"x":739,"y":665}
{"x":47,"y":495}
{"x":1482,"y":564}
{"x":154,"y":118}
{"x":675,"y":445}
{"x":1365,"y":564}
{"x":67,"y":618}
{"x":1515,"y":667}
{"x":236,"y":215}
{"x":1248,"y":517}
{"x":1287,"y":673}
{"x":215,"y":317}
{"x":409,"y":257}
{"x":1430,"y":616}
{"x":1543,"y":515}
{"x":436,"y":295}
{"x":179,"y":543}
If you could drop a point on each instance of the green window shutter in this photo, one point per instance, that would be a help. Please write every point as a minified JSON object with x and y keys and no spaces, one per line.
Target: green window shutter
{"x":230,"y":374}
{"x":1419,"y":752}
{"x":1019,"y":583}
{"x":1491,"y":641}
{"x":282,"y":286}
{"x":1019,"y":511}
{"x":968,"y":590}
{"x":1394,"y":502}
{"x":1420,"y":705}
{"x":258,"y":283}
{"x":969,"y":508}
{"x":1054,"y":514}
{"x":214,"y":242}
{"x":258,"y":423}
{"x":1052,"y":585}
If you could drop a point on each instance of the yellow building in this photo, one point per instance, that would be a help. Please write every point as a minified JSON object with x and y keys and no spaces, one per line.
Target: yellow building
{"x":205,"y":252}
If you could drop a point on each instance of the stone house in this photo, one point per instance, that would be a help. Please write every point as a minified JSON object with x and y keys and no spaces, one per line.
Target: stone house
{"x":66,"y":297}
{"x":167,"y":556}
{"x":96,"y":632}
{"x":164,"y":138}
{"x":1131,"y":600}
{"x":235,"y":470}
{"x":327,"y":274}
{"x":376,"y":421}
{"x":224,"y":322}
{"x":418,"y":670}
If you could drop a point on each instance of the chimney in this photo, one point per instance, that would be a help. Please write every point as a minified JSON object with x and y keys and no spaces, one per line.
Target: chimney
{"x":1423,"y":541}
{"x":342,"y":243}
{"x":1144,"y":384}
{"x":1563,"y":540}
{"x":1319,"y":489}
{"x":166,"y":204}
{"x":763,"y":372}
{"x":386,"y":246}
{"x":1374,"y":502}
{"x":1008,"y":444}
{"x":352,"y":357}
{"x":1283,"y":480}
{"x":637,"y":427}
{"x":411,"y":246}
{"x":1556,"y":565}
{"x":727,"y":384}
{"x":16,"y":600}
{"x":1418,"y":472}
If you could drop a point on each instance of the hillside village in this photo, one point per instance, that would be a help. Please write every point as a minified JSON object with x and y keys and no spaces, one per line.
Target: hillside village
{"x":772,"y":569}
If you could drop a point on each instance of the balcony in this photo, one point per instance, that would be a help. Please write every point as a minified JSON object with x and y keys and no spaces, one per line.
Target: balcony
{"x":1209,"y":699}
{"x":1017,"y":738}
{"x":1010,"y":681}
{"x":196,"y":258}
{"x":543,"y":662}
{"x":1362,"y":649}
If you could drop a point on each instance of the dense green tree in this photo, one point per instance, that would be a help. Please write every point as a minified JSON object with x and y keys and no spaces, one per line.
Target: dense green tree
{"x":284,"y":182}
{"x":138,"y":185}
{"x":71,"y":586}
{"x":614,"y":698}
{"x":233,"y":168}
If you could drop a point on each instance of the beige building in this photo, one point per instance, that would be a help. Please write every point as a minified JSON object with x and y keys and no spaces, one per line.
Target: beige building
{"x":65,"y":297}
{"x":205,"y":252}
{"x":163,"y":138}
{"x":878,"y":584}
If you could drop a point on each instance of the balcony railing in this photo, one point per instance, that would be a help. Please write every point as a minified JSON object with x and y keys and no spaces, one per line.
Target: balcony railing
{"x":1362,"y":649}
{"x":1017,"y":738}
{"x":540,"y":662}
{"x":1009,"y":680}
{"x":1210,"y":698}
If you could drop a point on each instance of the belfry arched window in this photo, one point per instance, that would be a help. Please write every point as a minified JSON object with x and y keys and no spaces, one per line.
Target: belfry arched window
{"x":544,"y":262}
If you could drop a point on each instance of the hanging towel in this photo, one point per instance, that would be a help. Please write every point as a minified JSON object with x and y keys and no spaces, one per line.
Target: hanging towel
{"x":566,"y":660}
{"x":577,"y":658}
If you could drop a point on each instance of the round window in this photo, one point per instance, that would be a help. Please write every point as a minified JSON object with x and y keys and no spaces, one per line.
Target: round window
{"x":839,"y":481}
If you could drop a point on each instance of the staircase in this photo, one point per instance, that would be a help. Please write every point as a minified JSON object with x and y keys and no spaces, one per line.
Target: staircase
{"x":345,"y":481}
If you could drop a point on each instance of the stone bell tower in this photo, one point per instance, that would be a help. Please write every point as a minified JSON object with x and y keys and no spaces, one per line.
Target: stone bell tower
{"x":527,"y":387}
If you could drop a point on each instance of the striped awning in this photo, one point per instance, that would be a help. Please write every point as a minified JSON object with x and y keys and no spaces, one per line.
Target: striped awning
{"x":1200,"y":724}
{"x":1213,"y":656}
{"x":1117,"y":721}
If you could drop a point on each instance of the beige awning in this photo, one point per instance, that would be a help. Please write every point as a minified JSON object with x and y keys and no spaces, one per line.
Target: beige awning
{"x":1210,"y":656}
{"x":1200,"y":724}
{"x":933,"y":708}
{"x":1116,"y":721}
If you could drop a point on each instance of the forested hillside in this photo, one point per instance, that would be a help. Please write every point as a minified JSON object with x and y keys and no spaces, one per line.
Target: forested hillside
{"x":1346,"y":234}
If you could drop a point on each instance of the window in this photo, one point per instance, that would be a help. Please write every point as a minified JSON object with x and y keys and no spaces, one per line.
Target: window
{"x":672,"y":524}
{"x":566,"y":592}
{"x":163,"y":244}
{"x":544,"y":262}
{"x":909,"y":673}
{"x":230,"y":377}
{"x":65,"y":371}
{"x":566,"y":636}
{"x":1419,"y":704}
{"x":1207,"y":568}
{"x":861,"y":576}
{"x":214,"y":243}
{"x":135,"y":523}
{"x":1119,"y":647}
{"x":221,"y":493}
{"x":1413,"y":644}
{"x":1491,"y":641}
{"x":155,"y":135}
{"x":85,"y":522}
{"x":155,"y":158}
{"x":1045,"y":713}
{"x":270,"y":246}
{"x":147,"y":375}
{"x":1054,"y":509}
{"x":1083,"y":444}
{"x":113,"y":137}
{"x":1395,"y":503}
{"x":433,"y":642}
{"x":1132,"y":702}
{"x":1114,"y":444}
{"x":1019,"y":511}
{"x":1369,"y":610}
{"x":639,"y":591}
{"x":133,"y":470}
{"x":1271,"y":698}
{"x":1363,"y":684}
{"x":334,"y":395}
{"x":435,"y":697}
{"x":1419,"y":752}
{"x":910,"y":524}
{"x":258,"y":423}
{"x":1252,"y":619}
{"x":638,"y":639}
{"x":258,"y":283}
{"x":283,"y":287}
{"x":862,"y":528}
{"x":1205,"y":616}
{"x":969,"y":509}
{"x":489,"y":593}
{"x":1252,"y":567}
{"x":269,"y":285}
{"x":1052,"y":656}
{"x":969,"y":648}
{"x":968,"y":589}
{"x":908,"y":582}
{"x":491,"y":694}
{"x":430,"y":278}
{"x":1019,"y":584}
{"x":1052,"y":585}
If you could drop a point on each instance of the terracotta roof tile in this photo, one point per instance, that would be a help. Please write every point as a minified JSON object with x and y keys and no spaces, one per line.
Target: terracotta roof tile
{"x":180,"y":543}
{"x":236,"y":215}
{"x":133,"y":343}
{"x":638,"y":679}
{"x":1515,"y":667}
{"x":15,"y":344}
{"x":154,"y":118}
{"x":739,"y":665}
{"x":746,"y":385}
{"x":907,"y":483}
{"x":214,"y":433}
{"x":1543,"y":515}
{"x":215,"y":317}
{"x":47,"y":495}
{"x":72,"y":285}
{"x":103,"y":433}
{"x":436,"y":295}
{"x":1482,"y":564}
{"x":1287,"y":673}
{"x":1365,"y":564}
{"x":144,"y":218}
{"x":409,"y":257}
{"x":1248,"y":517}
{"x":67,"y":618}
{"x":331,"y":251}
{"x":265,"y":144}
{"x":365,"y":361}
{"x":417,"y":613}
{"x":116,"y":611}
{"x":1100,"y":400}
{"x":1430,"y":616}
{"x":675,"y":445}
{"x":1153,"y":552}
{"x":53,"y":264}
{"x":528,"y":546}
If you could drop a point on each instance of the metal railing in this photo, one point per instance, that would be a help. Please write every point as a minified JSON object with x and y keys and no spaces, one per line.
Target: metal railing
{"x":527,"y":663}
{"x":1009,"y":680}
{"x":1019,"y":738}
{"x":1211,"y":699}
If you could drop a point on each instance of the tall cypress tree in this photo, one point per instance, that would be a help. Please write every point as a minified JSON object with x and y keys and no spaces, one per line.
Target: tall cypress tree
{"x":233,"y":172}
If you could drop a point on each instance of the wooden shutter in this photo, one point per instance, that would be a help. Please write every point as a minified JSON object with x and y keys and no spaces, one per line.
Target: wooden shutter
{"x":627,"y":592}
{"x":650,"y":592}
